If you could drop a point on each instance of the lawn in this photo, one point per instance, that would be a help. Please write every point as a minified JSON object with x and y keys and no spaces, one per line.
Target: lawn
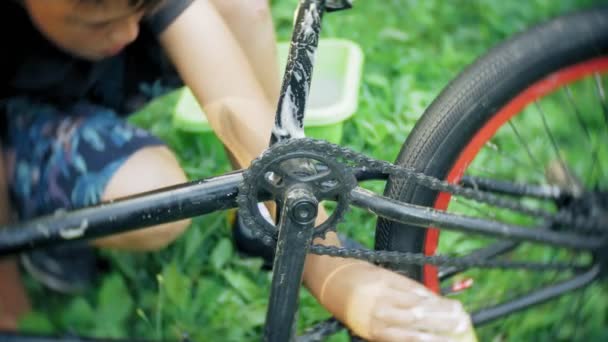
{"x":200,"y":287}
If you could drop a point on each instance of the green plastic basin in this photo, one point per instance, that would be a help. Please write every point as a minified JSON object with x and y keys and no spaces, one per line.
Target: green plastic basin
{"x":333,"y":98}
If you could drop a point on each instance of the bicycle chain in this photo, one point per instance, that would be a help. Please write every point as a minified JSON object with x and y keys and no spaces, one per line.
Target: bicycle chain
{"x":563,"y":217}
{"x":395,"y":257}
{"x":358,"y":159}
{"x":354,"y":159}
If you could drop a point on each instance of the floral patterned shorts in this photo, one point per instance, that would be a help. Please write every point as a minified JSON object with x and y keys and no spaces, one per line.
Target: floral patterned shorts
{"x":64,"y":158}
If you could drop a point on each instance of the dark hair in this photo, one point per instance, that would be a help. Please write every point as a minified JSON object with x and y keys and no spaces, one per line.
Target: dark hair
{"x":139,"y":4}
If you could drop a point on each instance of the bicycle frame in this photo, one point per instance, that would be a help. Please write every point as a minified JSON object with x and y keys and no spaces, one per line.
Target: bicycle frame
{"x":219,"y":193}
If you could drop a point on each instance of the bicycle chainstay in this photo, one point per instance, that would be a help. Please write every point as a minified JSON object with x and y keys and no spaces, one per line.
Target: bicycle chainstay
{"x":353,"y":159}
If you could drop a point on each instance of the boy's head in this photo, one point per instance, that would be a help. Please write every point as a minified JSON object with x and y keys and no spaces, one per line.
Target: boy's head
{"x":90,"y":29}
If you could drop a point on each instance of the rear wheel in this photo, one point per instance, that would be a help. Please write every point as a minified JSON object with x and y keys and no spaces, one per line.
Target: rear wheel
{"x":533,"y":111}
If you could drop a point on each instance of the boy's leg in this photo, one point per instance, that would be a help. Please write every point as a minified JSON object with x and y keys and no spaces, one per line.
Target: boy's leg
{"x":13,"y":299}
{"x":77,"y":157}
{"x":80,"y":156}
{"x":14,"y":302}
{"x":251,"y":24}
{"x":147,"y":169}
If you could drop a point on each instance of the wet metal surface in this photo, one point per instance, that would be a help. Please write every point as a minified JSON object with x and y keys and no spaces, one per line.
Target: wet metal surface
{"x":161,"y":206}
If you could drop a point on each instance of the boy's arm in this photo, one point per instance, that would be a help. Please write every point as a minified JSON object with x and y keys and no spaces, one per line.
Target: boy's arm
{"x":367,"y":298}
{"x":211,"y":63}
{"x":214,"y":67}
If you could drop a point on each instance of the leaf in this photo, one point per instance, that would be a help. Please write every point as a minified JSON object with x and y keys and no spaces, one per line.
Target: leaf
{"x":192,"y":243}
{"x":377,"y":80}
{"x":106,"y":330}
{"x":125,"y":262}
{"x":142,"y":314}
{"x":114,"y":300}
{"x":243,"y":285}
{"x":251,"y":264}
{"x":256,"y":314}
{"x":207,"y":293}
{"x":36,"y":322}
{"x":221,"y":254}
{"x":79,"y":315}
{"x":177,"y":286}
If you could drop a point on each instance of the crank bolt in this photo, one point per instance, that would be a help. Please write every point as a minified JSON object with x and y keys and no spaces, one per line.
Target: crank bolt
{"x":304,"y":212}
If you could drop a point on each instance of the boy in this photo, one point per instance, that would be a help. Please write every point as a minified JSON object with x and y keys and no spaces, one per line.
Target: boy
{"x":73,"y":64}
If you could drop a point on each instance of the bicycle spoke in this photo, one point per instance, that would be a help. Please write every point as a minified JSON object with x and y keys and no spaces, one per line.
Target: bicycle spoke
{"x":486,"y":315}
{"x":577,"y":113}
{"x":549,"y":133}
{"x":512,"y":159}
{"x":573,"y":311}
{"x":521,"y":141}
{"x":577,"y":313}
{"x":529,"y":280}
{"x":479,"y":169}
{"x":602,"y":96}
{"x":595,"y":172}
{"x":581,"y":122}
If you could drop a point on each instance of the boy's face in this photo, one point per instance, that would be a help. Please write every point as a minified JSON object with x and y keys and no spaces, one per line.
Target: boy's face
{"x":88,"y":30}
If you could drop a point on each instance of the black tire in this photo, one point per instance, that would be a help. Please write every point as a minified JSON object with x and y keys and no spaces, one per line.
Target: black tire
{"x":474,"y":98}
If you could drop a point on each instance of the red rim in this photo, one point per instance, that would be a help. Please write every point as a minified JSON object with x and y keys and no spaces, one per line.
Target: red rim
{"x":515,"y":106}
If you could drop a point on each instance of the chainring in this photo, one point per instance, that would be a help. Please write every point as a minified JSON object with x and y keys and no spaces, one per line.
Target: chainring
{"x":296,"y":161}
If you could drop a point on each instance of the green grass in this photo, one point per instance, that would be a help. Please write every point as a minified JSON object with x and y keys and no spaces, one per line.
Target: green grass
{"x":199,"y":286}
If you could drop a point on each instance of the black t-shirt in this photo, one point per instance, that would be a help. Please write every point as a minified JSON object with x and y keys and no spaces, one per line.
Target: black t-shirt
{"x":31,"y":66}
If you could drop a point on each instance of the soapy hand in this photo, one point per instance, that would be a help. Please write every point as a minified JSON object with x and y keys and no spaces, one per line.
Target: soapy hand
{"x":385,"y":306}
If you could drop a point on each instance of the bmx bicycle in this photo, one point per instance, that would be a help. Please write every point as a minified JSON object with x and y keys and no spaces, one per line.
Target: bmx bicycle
{"x":533,"y":95}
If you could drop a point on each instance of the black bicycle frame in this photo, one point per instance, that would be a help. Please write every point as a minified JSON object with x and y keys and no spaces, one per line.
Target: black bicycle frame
{"x":295,"y":224}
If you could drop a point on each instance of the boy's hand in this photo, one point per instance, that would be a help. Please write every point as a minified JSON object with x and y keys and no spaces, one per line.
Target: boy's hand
{"x":380,"y":305}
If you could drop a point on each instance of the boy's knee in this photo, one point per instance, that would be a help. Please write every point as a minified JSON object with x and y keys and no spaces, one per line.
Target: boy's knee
{"x":149,"y":169}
